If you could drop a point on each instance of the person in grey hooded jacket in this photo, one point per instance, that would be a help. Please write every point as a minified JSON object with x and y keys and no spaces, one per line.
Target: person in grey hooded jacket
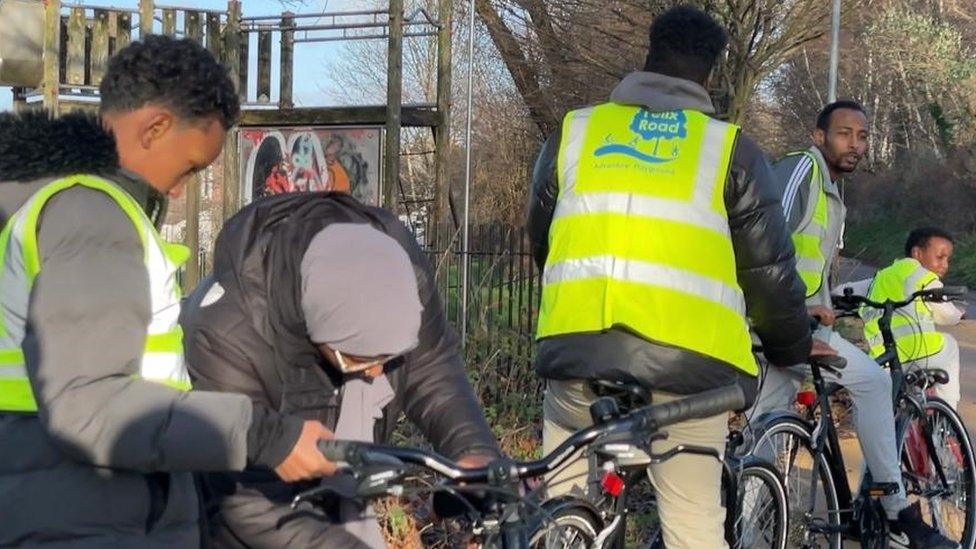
{"x":98,"y":451}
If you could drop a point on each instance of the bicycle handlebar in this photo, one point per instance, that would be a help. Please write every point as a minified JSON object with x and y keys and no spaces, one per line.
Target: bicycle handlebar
{"x":648,"y":419}
{"x":851,"y":302}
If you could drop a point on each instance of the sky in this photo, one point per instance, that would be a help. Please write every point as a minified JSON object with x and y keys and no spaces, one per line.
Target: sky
{"x":311,"y":59}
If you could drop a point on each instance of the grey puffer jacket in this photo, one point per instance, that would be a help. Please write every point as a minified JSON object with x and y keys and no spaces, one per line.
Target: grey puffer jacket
{"x":107,"y":459}
{"x":764,"y":258}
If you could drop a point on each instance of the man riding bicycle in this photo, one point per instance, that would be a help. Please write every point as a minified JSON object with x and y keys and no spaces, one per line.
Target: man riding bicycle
{"x":658,"y":231}
{"x":815,"y":213}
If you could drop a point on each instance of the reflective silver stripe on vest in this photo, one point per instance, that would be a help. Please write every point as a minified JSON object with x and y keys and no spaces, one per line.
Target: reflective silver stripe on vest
{"x":709,"y":158}
{"x":13,"y":371}
{"x":643,"y":206}
{"x":911,"y":283}
{"x":646,"y":273}
{"x":904,"y":330}
{"x":809,"y":264}
{"x":572,"y":149}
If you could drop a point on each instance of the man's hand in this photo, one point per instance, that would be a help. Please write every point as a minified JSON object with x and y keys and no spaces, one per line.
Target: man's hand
{"x":824,"y":314}
{"x":821,"y":348}
{"x":305,"y":461}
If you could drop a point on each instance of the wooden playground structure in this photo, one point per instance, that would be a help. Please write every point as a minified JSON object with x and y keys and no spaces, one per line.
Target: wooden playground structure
{"x":62,"y":51}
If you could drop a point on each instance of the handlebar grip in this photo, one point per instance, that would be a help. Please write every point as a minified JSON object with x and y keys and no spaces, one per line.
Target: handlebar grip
{"x":954,"y":291}
{"x":697,"y":406}
{"x":341,"y":450}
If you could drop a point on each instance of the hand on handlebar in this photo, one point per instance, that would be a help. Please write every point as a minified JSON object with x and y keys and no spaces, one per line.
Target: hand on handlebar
{"x":824,"y":314}
{"x":305,"y":461}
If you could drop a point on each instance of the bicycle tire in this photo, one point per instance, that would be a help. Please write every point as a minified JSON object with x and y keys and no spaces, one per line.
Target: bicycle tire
{"x":567,"y":526}
{"x":955,"y":452}
{"x":760,"y":501}
{"x":798,"y":437}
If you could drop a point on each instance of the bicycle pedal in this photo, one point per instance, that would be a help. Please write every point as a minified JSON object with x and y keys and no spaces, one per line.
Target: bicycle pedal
{"x":879,"y":489}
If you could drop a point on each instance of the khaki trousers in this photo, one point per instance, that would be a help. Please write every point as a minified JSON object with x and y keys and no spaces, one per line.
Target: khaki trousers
{"x":687,"y":486}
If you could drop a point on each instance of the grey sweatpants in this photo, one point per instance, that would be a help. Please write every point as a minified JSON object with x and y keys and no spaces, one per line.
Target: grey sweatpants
{"x":874,"y":420}
{"x":686,"y":486}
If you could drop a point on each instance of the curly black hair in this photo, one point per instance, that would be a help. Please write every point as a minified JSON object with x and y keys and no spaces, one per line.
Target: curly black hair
{"x":180,"y":74}
{"x":919,"y":238}
{"x":685,"y":42}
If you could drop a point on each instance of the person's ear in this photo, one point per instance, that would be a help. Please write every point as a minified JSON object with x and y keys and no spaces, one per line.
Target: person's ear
{"x":819,"y":137}
{"x":155,"y":128}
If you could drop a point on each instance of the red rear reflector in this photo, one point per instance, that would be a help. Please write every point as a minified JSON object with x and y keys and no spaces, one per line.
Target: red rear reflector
{"x":806,"y":398}
{"x":612,"y":483}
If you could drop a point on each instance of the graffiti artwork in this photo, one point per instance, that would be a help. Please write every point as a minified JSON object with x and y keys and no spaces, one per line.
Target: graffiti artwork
{"x":284,"y":160}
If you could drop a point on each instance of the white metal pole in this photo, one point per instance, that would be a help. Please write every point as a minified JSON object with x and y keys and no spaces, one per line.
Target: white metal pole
{"x":834,"y":52}
{"x":467,"y":180}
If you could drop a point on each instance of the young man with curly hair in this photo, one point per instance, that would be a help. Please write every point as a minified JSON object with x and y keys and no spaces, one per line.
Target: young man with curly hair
{"x":98,"y":431}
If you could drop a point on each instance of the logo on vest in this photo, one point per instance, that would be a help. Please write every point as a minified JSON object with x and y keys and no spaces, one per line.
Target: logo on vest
{"x":657,"y":139}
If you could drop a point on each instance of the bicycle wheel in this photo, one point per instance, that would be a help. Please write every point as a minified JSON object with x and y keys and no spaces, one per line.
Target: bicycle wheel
{"x":949,"y":508}
{"x":786,"y":442}
{"x":761,"y":509}
{"x":566,"y":526}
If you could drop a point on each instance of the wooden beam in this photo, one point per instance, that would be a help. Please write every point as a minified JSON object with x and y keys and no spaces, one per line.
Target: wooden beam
{"x":417,"y":117}
{"x":213,"y":34}
{"x":75,"y":70}
{"x":193,"y":26}
{"x":123,"y":31}
{"x":394,"y":92}
{"x":100,"y":45}
{"x":231,"y":184}
{"x":264,"y":66}
{"x":146,"y":10}
{"x":169,"y":22}
{"x":442,"y":135}
{"x":51,"y":55}
{"x":287,"y":61}
{"x":191,"y":238}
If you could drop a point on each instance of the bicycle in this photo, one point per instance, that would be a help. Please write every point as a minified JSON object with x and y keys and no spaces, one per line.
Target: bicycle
{"x":752,"y":491}
{"x":807,"y":452}
{"x":501,"y":517}
{"x":937,"y":457}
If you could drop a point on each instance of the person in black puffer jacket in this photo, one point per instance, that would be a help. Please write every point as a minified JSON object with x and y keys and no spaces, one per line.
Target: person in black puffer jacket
{"x":304,"y":285}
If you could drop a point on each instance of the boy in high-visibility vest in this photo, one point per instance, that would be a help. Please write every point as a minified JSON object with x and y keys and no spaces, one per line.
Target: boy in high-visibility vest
{"x":927,"y":254}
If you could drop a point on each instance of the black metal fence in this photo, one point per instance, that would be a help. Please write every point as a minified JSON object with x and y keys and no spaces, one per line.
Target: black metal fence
{"x":504,"y":288}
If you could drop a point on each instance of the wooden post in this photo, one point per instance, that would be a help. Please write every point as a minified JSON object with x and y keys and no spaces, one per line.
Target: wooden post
{"x":75,"y":71}
{"x":123,"y":31}
{"x":213,"y":34}
{"x":193,"y":26}
{"x":99,"y":48}
{"x":287,"y":61}
{"x":169,"y":22}
{"x":146,"y":10}
{"x":51,"y":55}
{"x":264,"y":66}
{"x":231,"y":185}
{"x":394,"y":89}
{"x":442,"y":133}
{"x":19,"y":101}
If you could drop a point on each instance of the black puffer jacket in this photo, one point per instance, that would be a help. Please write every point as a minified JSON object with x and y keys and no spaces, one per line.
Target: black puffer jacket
{"x":235,"y":343}
{"x":764,"y":258}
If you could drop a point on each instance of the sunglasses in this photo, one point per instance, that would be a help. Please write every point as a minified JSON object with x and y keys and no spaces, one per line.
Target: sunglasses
{"x":347,"y":368}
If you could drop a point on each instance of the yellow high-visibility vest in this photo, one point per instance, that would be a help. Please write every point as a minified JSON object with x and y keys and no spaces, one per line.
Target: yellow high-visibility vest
{"x":640,"y":236}
{"x":162,"y":360}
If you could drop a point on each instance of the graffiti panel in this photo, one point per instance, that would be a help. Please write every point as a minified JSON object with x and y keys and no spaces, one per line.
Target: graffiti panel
{"x":283,"y":160}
